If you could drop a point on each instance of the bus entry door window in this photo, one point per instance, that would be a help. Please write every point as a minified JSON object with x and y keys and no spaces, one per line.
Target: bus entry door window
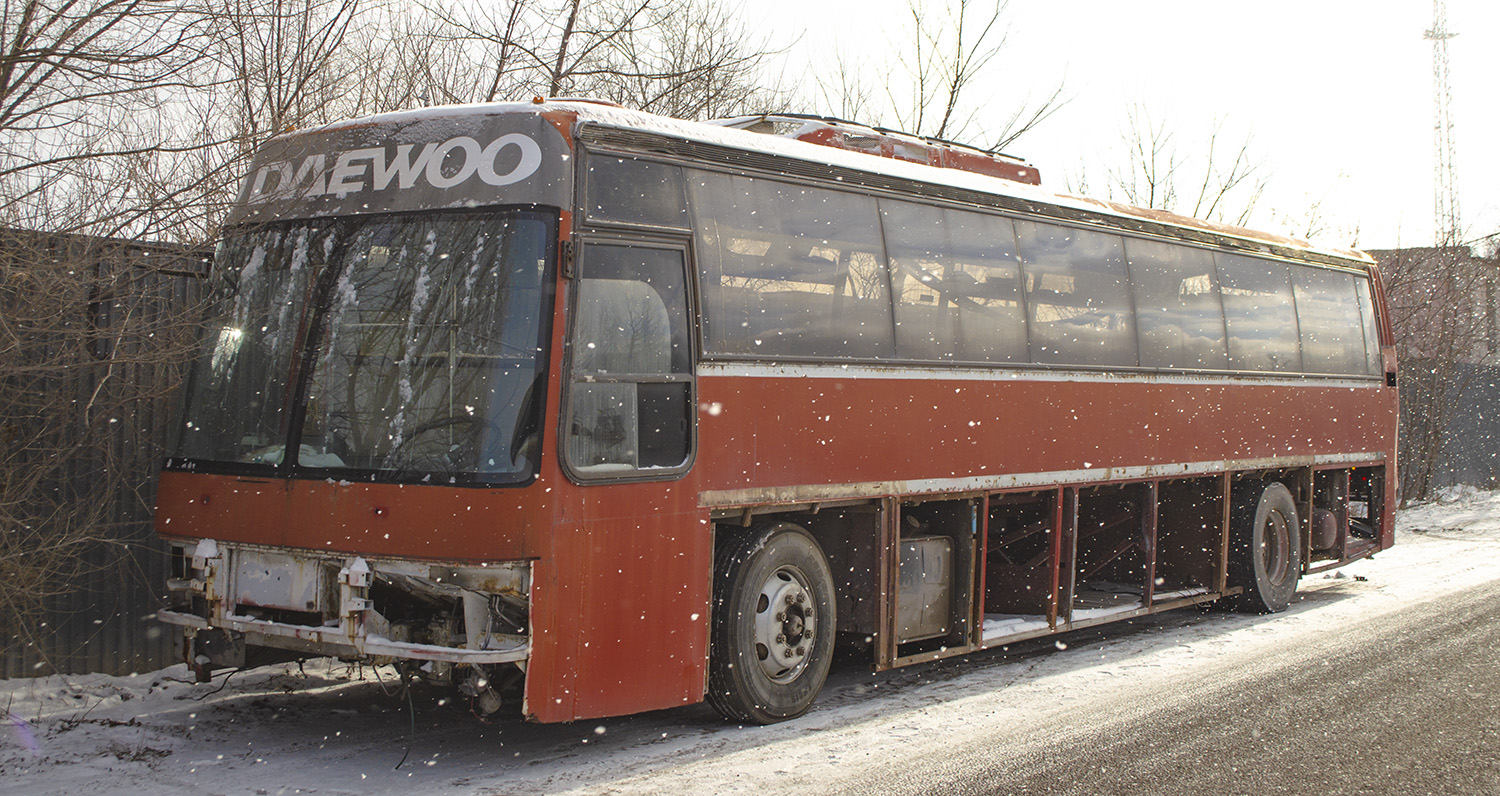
{"x":632,"y":368}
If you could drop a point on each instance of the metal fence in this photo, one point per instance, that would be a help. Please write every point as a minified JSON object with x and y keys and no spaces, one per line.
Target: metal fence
{"x":101,"y":619}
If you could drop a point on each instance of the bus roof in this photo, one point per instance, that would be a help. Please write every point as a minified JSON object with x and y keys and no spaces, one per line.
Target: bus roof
{"x":608,"y":115}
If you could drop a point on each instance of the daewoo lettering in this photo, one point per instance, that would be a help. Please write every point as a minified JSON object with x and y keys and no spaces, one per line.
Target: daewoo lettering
{"x":443,"y":165}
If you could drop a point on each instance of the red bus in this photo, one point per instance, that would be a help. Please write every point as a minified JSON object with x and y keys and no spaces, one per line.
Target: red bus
{"x":623,"y":412}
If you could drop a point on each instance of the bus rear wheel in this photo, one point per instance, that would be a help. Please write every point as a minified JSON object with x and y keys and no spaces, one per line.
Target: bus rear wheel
{"x":771,"y":642}
{"x":1265,"y":554}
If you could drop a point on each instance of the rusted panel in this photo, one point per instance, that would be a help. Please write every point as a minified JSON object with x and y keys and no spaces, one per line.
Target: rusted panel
{"x":334,"y":641}
{"x":981,"y":556}
{"x":991,"y":643}
{"x":813,"y":497}
{"x":833,"y":438}
{"x":1067,"y":556}
{"x":1150,"y":505}
{"x":389,"y":520}
{"x":626,"y":605}
{"x":1351,"y":556}
{"x":1222,"y":579}
{"x":275,"y":580}
{"x":904,"y":146}
{"x":890,"y":531}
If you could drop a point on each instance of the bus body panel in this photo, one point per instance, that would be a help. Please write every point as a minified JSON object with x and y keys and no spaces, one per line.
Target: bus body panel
{"x":372,"y":520}
{"x":624,"y":627}
{"x":837,"y":431}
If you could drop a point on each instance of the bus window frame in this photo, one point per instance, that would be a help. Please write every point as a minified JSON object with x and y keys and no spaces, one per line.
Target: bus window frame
{"x":544,"y":342}
{"x":581,"y":242}
{"x":592,"y":221}
{"x":1125,"y":232}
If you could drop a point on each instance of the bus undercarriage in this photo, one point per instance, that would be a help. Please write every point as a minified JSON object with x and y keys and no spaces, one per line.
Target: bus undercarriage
{"x":911,"y":577}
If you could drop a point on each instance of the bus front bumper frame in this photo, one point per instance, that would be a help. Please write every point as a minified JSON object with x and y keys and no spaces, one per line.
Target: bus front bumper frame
{"x":335,"y":642}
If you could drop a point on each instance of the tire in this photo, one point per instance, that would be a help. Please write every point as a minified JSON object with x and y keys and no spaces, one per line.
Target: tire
{"x":771,"y":641}
{"x":1265,"y":550}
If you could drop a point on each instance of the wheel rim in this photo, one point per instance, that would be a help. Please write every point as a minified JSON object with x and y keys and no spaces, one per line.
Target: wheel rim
{"x":785,"y":620}
{"x":1275,"y":547}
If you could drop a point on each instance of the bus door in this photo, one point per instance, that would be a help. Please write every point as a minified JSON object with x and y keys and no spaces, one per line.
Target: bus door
{"x":631,"y":561}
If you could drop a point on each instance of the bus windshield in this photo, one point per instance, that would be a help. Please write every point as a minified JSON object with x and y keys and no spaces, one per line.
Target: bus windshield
{"x":398,"y":346}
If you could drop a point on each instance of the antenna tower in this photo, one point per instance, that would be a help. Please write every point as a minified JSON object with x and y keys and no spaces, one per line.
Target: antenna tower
{"x":1447,"y":230}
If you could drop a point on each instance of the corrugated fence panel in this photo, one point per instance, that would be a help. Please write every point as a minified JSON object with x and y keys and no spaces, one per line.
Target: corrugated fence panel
{"x":103,"y":621}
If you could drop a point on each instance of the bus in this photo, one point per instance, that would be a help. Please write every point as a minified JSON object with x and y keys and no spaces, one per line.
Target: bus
{"x":617,"y":412}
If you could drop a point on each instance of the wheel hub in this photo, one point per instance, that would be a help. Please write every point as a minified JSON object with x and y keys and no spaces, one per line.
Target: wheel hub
{"x":785,"y":620}
{"x":1274,"y":547}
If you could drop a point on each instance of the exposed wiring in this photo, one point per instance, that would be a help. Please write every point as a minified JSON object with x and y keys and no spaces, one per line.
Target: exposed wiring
{"x":412,"y":709}
{"x":222,"y":685}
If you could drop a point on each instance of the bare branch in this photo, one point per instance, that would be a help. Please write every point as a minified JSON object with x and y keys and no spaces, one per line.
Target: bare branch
{"x":1155,"y":171}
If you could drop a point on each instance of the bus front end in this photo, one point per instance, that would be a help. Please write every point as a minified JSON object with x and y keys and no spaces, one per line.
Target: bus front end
{"x":236,"y":600}
{"x":358,"y":468}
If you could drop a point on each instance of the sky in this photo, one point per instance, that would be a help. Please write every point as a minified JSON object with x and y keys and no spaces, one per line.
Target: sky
{"x":1334,"y":96}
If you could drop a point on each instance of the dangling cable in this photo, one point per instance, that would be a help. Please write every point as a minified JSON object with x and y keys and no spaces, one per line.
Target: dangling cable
{"x":412,"y":708}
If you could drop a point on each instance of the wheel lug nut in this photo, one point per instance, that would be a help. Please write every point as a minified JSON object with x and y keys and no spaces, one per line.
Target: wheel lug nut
{"x":801,"y":651}
{"x":790,"y":600}
{"x":781,"y":616}
{"x":801,"y":598}
{"x":780,"y":639}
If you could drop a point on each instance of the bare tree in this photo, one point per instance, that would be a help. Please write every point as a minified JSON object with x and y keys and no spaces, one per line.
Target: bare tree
{"x":692,"y":61}
{"x":76,"y":79}
{"x":951,"y":51}
{"x":482,"y":57}
{"x":1208,"y":180}
{"x":689,"y":63}
{"x":569,"y":47}
{"x":843,"y":89}
{"x":1442,"y":301}
{"x":1312,"y":223}
{"x":93,"y":334}
{"x":279,"y":61}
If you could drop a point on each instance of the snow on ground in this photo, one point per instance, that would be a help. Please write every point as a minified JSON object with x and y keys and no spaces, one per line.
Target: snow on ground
{"x":336,"y":729}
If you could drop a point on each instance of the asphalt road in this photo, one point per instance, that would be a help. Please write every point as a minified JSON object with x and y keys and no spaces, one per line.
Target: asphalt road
{"x":1407,"y":706}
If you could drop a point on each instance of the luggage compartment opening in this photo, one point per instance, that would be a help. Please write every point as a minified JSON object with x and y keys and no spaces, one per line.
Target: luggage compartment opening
{"x":935,"y":580}
{"x":1328,"y":522}
{"x":1020,"y":580}
{"x":1189,"y":533}
{"x":1366,"y":510}
{"x":1115,"y":535}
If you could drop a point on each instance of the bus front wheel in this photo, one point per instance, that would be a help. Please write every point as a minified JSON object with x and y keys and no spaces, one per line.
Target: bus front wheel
{"x":1265,"y":554}
{"x":772,"y":637}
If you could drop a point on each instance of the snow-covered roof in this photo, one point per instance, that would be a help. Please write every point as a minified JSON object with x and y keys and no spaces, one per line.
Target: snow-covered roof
{"x":610,"y":115}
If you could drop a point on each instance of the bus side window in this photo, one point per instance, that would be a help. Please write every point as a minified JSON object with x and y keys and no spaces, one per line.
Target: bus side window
{"x":790,"y":270}
{"x":634,"y":192}
{"x":1177,"y":306}
{"x":631,"y":368}
{"x":1333,"y":338}
{"x":1259,"y":315}
{"x":1077,"y":296}
{"x":957,"y":284}
{"x":1365,"y":290}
